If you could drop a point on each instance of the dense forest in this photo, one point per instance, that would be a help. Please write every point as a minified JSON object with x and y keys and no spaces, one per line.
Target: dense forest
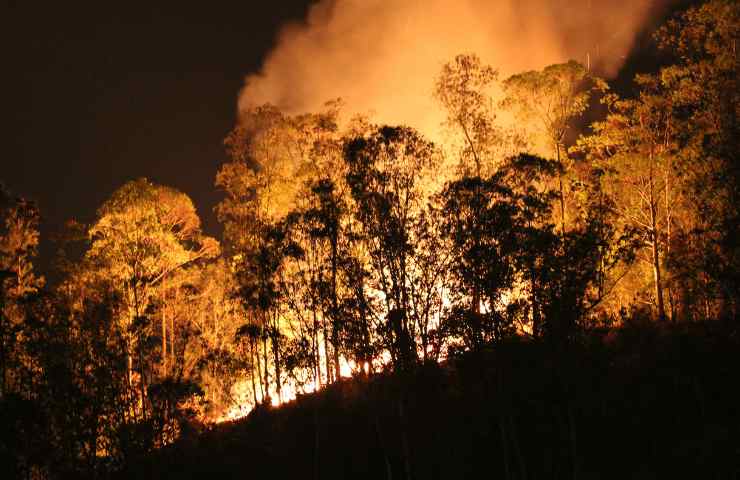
{"x":549,"y":291}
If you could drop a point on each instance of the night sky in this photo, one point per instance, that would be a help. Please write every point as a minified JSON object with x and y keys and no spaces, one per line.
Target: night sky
{"x":100,"y":94}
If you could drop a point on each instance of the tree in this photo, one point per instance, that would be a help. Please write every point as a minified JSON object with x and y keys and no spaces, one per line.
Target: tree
{"x":478,"y":225}
{"x":325,"y":221}
{"x":636,"y":146}
{"x":552,"y":98}
{"x":463,"y":88}
{"x":385,"y":169}
{"x":19,"y":238}
{"x":271,"y":157}
{"x":430,"y":275}
{"x":261,"y":290}
{"x":143,"y":233}
{"x":702,"y":86}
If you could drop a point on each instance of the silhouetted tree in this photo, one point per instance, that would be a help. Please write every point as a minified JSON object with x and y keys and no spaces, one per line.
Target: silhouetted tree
{"x":384,"y":174}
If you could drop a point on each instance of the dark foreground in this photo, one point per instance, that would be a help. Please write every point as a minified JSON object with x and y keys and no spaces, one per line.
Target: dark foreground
{"x":639,"y":402}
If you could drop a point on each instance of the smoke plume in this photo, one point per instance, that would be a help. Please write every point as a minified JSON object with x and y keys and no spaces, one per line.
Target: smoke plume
{"x":382,"y":57}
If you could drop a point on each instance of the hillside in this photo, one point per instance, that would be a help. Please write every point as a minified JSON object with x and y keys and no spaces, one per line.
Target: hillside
{"x":637,"y":402}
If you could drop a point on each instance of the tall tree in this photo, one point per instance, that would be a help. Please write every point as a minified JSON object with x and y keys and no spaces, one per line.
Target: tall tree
{"x":143,"y":233}
{"x":19,"y":238}
{"x":702,"y":84}
{"x":636,"y":145}
{"x":463,"y":88}
{"x":547,"y":102}
{"x":385,"y":175}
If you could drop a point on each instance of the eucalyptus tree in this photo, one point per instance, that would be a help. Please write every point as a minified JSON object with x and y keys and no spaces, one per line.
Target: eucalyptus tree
{"x":385,"y":172}
{"x":325,"y":219}
{"x":463,"y":89}
{"x":636,"y":147}
{"x":19,"y":238}
{"x":478,"y":226}
{"x":702,"y":83}
{"x":272,"y":157}
{"x":144,"y":232}
{"x":261,"y":291}
{"x":547,"y":102}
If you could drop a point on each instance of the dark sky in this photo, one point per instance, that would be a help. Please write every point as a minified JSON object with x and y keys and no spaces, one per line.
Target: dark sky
{"x":98,"y":93}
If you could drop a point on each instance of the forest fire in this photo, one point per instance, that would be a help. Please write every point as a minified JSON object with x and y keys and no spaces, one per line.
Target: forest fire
{"x":495,"y":255}
{"x":241,"y":392}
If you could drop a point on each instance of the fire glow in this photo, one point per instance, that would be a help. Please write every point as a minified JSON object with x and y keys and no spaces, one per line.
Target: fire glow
{"x":384,"y":60}
{"x":290,"y":390}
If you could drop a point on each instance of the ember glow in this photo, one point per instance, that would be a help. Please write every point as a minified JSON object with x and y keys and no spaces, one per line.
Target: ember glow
{"x":241,"y":392}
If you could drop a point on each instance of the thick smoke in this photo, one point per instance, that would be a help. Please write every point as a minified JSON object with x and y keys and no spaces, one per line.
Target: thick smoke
{"x":382,"y":56}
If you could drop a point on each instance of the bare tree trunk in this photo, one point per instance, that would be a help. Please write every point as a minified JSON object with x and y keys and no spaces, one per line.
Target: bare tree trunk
{"x":164,"y":333}
{"x":251,"y":362}
{"x":129,"y":367}
{"x":335,"y":308}
{"x":315,"y":345}
{"x":656,"y":258}
{"x":536,"y":317}
{"x":173,"y":360}
{"x":671,"y":310}
{"x":142,"y":382}
{"x":327,"y":358}
{"x":259,"y":370}
{"x":265,"y":358}
{"x":657,"y":279}
{"x":562,"y":193}
{"x":276,"y":355}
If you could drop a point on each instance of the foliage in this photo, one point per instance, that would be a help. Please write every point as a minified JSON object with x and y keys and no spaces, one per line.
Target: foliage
{"x":505,"y":291}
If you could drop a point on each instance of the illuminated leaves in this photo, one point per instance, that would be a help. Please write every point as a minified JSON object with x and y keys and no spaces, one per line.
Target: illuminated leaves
{"x":145,"y":231}
{"x":19,"y":238}
{"x":552,"y":97}
{"x":463,"y":88}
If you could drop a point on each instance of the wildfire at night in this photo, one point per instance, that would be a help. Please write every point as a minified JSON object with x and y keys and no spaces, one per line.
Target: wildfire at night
{"x":438,"y":239}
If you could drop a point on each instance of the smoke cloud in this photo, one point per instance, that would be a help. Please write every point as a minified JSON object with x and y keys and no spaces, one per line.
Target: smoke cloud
{"x":382,"y":57}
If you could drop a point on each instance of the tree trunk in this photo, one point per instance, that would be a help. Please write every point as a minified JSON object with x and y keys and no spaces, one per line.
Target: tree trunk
{"x":265,"y":359}
{"x":164,"y":335}
{"x":671,"y":311}
{"x":315,"y":345}
{"x":536,"y":317}
{"x":656,"y":258}
{"x":562,"y":193}
{"x":657,"y":279}
{"x":251,"y":361}
{"x":327,"y":358}
{"x":335,"y":308}
{"x":259,"y":370}
{"x":172,"y":362}
{"x":276,"y":356}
